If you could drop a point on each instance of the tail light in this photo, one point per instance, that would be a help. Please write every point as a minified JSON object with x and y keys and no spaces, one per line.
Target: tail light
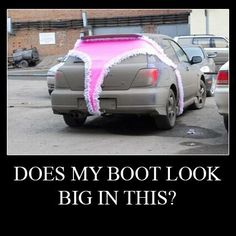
{"x":151,"y":76}
{"x":60,"y":81}
{"x":146,"y":77}
{"x":222,"y":78}
{"x":153,"y":73}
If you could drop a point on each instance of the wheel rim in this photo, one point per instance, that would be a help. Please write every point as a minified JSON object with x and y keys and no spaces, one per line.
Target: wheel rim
{"x":171,"y":108}
{"x":201,"y":94}
{"x":213,"y":87}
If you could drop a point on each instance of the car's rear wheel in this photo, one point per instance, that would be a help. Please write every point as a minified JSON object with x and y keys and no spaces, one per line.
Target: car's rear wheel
{"x":50,"y":91}
{"x":201,"y":96}
{"x":73,"y":121}
{"x":168,"y":121}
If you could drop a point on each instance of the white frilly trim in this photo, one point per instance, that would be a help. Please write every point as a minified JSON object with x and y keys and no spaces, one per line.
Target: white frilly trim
{"x":77,"y":44}
{"x":87,"y":70}
{"x":164,"y":58}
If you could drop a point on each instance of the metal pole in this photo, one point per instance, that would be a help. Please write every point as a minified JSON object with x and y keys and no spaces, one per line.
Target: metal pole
{"x":207,"y":21}
{"x":84,"y":17}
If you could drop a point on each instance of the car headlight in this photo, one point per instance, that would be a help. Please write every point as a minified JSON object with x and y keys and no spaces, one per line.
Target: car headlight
{"x":205,"y":69}
{"x":51,"y":73}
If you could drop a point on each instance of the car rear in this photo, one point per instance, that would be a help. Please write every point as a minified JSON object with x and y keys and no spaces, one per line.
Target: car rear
{"x":132,"y":86}
{"x":52,"y":73}
{"x":222,"y":92}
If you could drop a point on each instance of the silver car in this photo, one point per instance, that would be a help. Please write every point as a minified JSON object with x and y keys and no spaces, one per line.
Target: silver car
{"x":211,"y":43}
{"x":222,"y":92}
{"x":141,"y":84}
{"x":52,"y":73}
{"x":207,"y":66}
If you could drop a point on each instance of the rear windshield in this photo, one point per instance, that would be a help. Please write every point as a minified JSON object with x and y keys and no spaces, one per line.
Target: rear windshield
{"x":72,"y":59}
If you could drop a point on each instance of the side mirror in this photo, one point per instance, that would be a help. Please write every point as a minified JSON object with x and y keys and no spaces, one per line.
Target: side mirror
{"x":212,"y":55}
{"x":196,"y":59}
{"x":60,"y":59}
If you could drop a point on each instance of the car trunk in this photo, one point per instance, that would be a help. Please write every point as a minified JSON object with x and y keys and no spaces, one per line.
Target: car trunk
{"x":120,"y":76}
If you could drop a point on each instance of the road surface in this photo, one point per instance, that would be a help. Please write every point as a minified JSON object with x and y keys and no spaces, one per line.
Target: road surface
{"x":32,"y":128}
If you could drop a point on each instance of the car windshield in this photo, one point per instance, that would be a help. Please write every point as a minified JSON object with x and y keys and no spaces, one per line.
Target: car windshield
{"x":194,"y":52}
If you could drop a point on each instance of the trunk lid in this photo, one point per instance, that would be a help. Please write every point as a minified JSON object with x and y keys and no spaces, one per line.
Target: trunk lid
{"x":120,"y":76}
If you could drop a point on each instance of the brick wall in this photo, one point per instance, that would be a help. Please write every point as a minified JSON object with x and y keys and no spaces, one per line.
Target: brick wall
{"x":65,"y":40}
{"x":39,"y":14}
{"x":149,"y":28}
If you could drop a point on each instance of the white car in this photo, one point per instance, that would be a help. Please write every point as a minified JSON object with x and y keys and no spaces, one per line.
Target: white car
{"x":207,"y":66}
{"x":211,"y":44}
{"x":52,"y":72}
{"x":222,"y":92}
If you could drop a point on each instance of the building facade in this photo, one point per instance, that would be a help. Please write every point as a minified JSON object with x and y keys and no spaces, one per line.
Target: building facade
{"x":56,"y":31}
{"x":209,"y":21}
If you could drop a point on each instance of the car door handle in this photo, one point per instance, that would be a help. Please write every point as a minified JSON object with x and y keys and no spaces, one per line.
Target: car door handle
{"x":187,"y":68}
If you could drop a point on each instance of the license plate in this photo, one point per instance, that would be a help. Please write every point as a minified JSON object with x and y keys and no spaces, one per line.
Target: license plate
{"x":105,"y":104}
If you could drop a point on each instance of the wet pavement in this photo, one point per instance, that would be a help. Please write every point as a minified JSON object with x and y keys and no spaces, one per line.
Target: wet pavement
{"x":34,"y":129}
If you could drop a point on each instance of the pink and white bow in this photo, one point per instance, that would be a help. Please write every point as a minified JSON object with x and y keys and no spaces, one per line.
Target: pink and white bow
{"x":100,"y":54}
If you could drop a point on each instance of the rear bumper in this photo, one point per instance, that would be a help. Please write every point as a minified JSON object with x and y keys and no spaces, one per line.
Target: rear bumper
{"x":222,"y":98}
{"x":135,"y":100}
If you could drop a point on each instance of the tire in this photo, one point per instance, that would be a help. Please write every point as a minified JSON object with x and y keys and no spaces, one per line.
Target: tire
{"x":226,"y":122}
{"x":211,"y":93}
{"x":23,"y":64}
{"x":50,"y":91}
{"x":168,"y":121}
{"x":72,"y":121}
{"x":201,"y":97}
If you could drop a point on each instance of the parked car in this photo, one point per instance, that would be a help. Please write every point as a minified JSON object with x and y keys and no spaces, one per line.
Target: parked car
{"x":52,"y":73}
{"x":211,"y":43}
{"x":222,"y":92}
{"x":207,"y":66}
{"x":140,"y":84}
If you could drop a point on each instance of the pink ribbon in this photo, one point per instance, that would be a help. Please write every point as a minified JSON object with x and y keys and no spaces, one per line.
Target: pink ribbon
{"x":100,"y":54}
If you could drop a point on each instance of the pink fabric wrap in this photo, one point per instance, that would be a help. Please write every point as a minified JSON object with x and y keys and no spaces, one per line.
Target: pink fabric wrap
{"x":100,"y":54}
